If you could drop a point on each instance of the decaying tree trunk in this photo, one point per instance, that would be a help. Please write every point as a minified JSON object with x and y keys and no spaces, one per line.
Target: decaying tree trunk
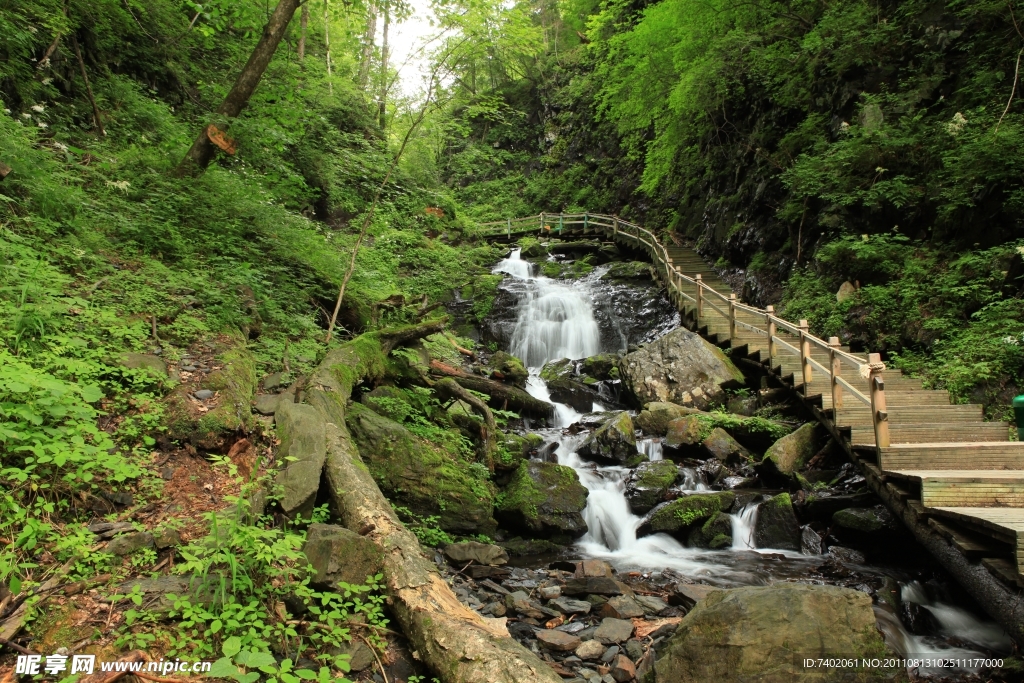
{"x":501,"y":394}
{"x":201,"y":153}
{"x":448,"y":389}
{"x":459,"y":645}
{"x":303,"y":26}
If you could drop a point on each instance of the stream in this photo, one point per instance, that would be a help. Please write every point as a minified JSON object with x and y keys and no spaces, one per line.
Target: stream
{"x":556,"y":319}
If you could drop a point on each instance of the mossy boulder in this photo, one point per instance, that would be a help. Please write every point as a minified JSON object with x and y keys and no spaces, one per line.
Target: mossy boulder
{"x":648,"y":484}
{"x":680,"y":515}
{"x":715,"y":533}
{"x":513,"y":449}
{"x":601,"y":367}
{"x":544,"y":499}
{"x":776,"y":525}
{"x":654,"y":419}
{"x":865,"y":520}
{"x":508,"y":368}
{"x":154,"y":365}
{"x":684,"y":433}
{"x":791,"y":452}
{"x":567,"y":387}
{"x":720,"y":445}
{"x":303,"y":449}
{"x":339,"y":555}
{"x":417,"y":474}
{"x":614,"y":441}
{"x":628,"y":270}
{"x":679,"y":367}
{"x":762,"y":633}
{"x":234,"y":384}
{"x":387,"y":401}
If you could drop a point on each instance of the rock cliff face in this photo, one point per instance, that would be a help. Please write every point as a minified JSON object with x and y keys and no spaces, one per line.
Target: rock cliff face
{"x":681,"y":368}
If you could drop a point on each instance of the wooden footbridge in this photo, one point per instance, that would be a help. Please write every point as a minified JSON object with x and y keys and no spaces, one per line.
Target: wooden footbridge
{"x":956,"y":480}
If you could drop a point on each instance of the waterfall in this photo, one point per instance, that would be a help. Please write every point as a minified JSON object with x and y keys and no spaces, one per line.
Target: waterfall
{"x":743,"y":527}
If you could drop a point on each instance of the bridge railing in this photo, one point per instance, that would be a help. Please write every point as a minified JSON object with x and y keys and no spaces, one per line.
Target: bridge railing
{"x":844,"y":371}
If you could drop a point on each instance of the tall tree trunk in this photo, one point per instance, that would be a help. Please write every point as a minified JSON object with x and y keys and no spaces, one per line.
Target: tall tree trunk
{"x":303,"y":25}
{"x":368,"y":38}
{"x":382,"y":104}
{"x":201,"y":153}
{"x":327,"y":44}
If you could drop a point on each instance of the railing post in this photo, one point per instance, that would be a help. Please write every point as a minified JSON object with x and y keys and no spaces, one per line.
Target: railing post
{"x":586,"y":221}
{"x":541,"y":229}
{"x":560,"y":219}
{"x":510,"y":228}
{"x":805,"y":353}
{"x":769,"y":314}
{"x":879,"y":412}
{"x":615,"y":226}
{"x":732,"y":316}
{"x":700,"y":299}
{"x":836,"y":366}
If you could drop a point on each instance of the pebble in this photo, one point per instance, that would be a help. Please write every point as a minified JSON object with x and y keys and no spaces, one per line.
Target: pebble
{"x":558,"y":641}
{"x":590,"y":649}
{"x":550,"y":592}
{"x":610,"y":654}
{"x":613,"y":630}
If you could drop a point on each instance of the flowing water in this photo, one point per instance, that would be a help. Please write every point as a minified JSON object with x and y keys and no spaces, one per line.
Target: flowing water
{"x":556,"y":320}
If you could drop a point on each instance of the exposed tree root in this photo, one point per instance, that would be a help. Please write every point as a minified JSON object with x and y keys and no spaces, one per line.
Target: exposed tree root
{"x":502,"y":395}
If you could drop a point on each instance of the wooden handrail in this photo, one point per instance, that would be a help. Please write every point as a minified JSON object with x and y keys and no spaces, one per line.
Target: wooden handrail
{"x":704,"y":297}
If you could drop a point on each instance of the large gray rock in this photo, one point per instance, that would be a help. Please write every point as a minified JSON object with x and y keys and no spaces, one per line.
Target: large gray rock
{"x":682,"y":514}
{"x":648,"y":484}
{"x":481,"y":553}
{"x":654,"y":418}
{"x":680,"y":368}
{"x":865,"y":520}
{"x":614,"y":442}
{"x":776,"y":525}
{"x":723,"y":447}
{"x":339,"y":555}
{"x":544,"y":498}
{"x":144,"y":361}
{"x":763,"y":633}
{"x":791,"y":452}
{"x":304,"y":438}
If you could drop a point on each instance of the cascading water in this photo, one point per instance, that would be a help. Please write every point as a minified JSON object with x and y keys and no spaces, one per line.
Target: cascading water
{"x":556,"y":320}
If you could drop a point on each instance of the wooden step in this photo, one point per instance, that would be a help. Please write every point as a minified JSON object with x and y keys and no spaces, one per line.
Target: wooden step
{"x":926,"y":433}
{"x":967,"y":488}
{"x":970,"y":545}
{"x":1006,"y":455}
{"x":859,"y":414}
{"x":920,"y":397}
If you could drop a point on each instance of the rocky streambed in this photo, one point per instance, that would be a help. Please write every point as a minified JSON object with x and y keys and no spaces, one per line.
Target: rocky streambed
{"x":669,"y":496}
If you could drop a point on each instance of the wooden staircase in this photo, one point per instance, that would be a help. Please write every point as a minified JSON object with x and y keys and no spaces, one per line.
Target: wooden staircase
{"x":936,"y":463}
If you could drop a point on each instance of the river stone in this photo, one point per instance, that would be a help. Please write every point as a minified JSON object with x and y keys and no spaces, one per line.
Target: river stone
{"x":680,"y":367}
{"x":544,"y":498}
{"x":565,"y":387}
{"x":776,"y":525}
{"x":791,"y":452}
{"x":810,"y":541}
{"x":165,"y":537}
{"x":647,"y":485}
{"x":592,"y":567}
{"x":157,"y":589}
{"x":715,"y":533}
{"x":684,"y":432}
{"x":678,"y":516}
{"x":303,"y":437}
{"x":481,"y":553}
{"x":653,"y":420}
{"x":569,"y":606}
{"x":559,"y":641}
{"x":864,"y":519}
{"x":622,"y":669}
{"x":590,"y":650}
{"x":762,"y":633}
{"x":613,"y":631}
{"x":415,"y":473}
{"x":520,"y":602}
{"x":689,"y":594}
{"x":360,"y":656}
{"x":723,"y":447}
{"x":339,"y":555}
{"x":821,"y":507}
{"x":592,"y":585}
{"x":621,"y":607}
{"x":650,"y":604}
{"x":613,"y":442}
{"x":154,"y":365}
{"x":266,"y":404}
{"x":129,"y":543}
{"x":603,"y":366}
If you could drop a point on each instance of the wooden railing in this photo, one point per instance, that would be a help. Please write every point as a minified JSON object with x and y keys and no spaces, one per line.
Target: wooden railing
{"x":693,"y":295}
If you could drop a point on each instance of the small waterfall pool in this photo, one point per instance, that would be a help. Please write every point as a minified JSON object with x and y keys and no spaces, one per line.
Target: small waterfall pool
{"x":556,"y":320}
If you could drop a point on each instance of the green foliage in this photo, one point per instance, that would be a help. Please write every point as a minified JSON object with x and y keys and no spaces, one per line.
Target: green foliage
{"x":425,"y":528}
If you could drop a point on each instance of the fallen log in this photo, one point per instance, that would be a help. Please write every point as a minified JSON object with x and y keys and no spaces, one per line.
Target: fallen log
{"x":448,"y":388}
{"x":459,"y":645}
{"x":502,"y":395}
